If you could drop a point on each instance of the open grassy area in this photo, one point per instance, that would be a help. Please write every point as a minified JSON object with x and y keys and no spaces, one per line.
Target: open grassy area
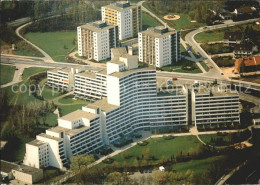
{"x":49,"y":93}
{"x":66,"y":109}
{"x":197,"y":166}
{"x":204,"y":65}
{"x":183,"y":23}
{"x":210,"y":36}
{"x":148,"y":21}
{"x":177,"y":67}
{"x":25,"y":49}
{"x":51,"y":120}
{"x":70,"y":100}
{"x":6,"y":74}
{"x":159,"y":148}
{"x":31,"y":71}
{"x":56,"y":44}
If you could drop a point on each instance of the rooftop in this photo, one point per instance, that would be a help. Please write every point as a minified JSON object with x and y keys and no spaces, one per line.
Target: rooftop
{"x":245,"y":46}
{"x":118,"y":52}
{"x":121,"y":6}
{"x":76,"y":130}
{"x":97,"y":26}
{"x":127,"y":72}
{"x":246,"y":61}
{"x":49,"y":137}
{"x":7,"y":167}
{"x":28,"y":169}
{"x":214,"y":91}
{"x":103,"y":105}
{"x":36,"y":142}
{"x":78,"y":114}
{"x":58,"y":129}
{"x":159,"y":31}
{"x":87,"y":74}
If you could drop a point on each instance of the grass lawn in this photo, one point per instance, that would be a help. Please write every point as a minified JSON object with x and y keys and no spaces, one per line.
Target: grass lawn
{"x":56,"y":44}
{"x":51,"y":119}
{"x":69,"y":100}
{"x":66,"y":109}
{"x":31,"y":71}
{"x":204,"y":65}
{"x":25,"y":49}
{"x":159,"y":147}
{"x":6,"y":74}
{"x":177,"y":67}
{"x":148,"y":21}
{"x":210,"y":36}
{"x":198,"y":166}
{"x":182,"y":23}
{"x":49,"y":94}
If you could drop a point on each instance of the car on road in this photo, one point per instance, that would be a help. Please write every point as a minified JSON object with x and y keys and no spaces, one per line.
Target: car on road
{"x":222,"y":73}
{"x":16,"y":68}
{"x":210,"y":67}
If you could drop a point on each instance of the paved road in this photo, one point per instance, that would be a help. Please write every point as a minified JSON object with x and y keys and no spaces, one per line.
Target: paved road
{"x":17,"y":76}
{"x":216,"y":71}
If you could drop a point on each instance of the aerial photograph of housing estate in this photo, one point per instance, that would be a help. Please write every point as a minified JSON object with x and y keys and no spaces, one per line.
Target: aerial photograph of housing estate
{"x":130,"y":92}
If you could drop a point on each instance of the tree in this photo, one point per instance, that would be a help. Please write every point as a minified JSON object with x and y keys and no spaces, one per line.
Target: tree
{"x":116,"y":178}
{"x":146,"y":154}
{"x":79,"y":162}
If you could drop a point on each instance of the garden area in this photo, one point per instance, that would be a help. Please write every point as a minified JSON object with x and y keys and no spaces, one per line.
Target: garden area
{"x":226,"y":61}
{"x":183,"y":66}
{"x":213,"y":49}
{"x":6,"y":74}
{"x":210,"y":36}
{"x":57,"y":44}
{"x":148,"y":21}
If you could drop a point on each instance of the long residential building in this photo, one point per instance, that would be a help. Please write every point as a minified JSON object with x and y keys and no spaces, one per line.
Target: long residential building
{"x":134,"y":101}
{"x":126,"y":16}
{"x":96,"y":39}
{"x":215,"y":105}
{"x":159,"y":46}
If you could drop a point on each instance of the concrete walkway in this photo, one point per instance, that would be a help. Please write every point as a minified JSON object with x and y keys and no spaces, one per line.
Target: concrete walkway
{"x":47,"y":57}
{"x":17,"y":76}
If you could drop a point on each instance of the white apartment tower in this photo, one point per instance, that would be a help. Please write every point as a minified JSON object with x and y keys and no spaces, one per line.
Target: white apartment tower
{"x":159,"y":46}
{"x":96,"y":39}
{"x":215,"y":105}
{"x":126,"y":16}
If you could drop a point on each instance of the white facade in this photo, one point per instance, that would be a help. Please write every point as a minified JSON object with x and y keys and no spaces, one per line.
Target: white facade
{"x":127,"y":17}
{"x":215,"y":106}
{"x":159,"y":47}
{"x":95,"y":40}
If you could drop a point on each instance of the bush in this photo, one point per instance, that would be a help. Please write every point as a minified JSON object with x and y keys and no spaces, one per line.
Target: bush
{"x":143,"y":143}
{"x":108,"y":161}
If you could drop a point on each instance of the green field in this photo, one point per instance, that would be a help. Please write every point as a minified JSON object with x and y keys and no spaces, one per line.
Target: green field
{"x":66,"y":109}
{"x":31,"y":71}
{"x":56,"y":44}
{"x":210,"y":36}
{"x":182,"y":23}
{"x":49,"y":93}
{"x":204,"y":65}
{"x":6,"y":74}
{"x":25,"y":49}
{"x":51,"y":119}
{"x":159,"y":148}
{"x":177,"y":67}
{"x":69,"y":100}
{"x":198,"y":166}
{"x":148,"y":21}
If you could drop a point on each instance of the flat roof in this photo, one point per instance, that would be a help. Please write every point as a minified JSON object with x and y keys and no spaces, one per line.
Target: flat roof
{"x":204,"y":90}
{"x":58,"y":129}
{"x":7,"y":167}
{"x":78,"y":114}
{"x":103,"y":105}
{"x":127,"y":72}
{"x":94,"y":26}
{"x":74,"y":131}
{"x":49,"y":137}
{"x":87,"y":74}
{"x":28,"y":169}
{"x":118,"y":8}
{"x":36,"y":142}
{"x":154,"y":32}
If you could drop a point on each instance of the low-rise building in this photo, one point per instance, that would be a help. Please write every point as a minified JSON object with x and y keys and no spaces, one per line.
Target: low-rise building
{"x":62,"y":79}
{"x":27,"y":174}
{"x":233,"y":37}
{"x":243,"y":50}
{"x":6,"y":170}
{"x":247,"y":65}
{"x":215,"y":105}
